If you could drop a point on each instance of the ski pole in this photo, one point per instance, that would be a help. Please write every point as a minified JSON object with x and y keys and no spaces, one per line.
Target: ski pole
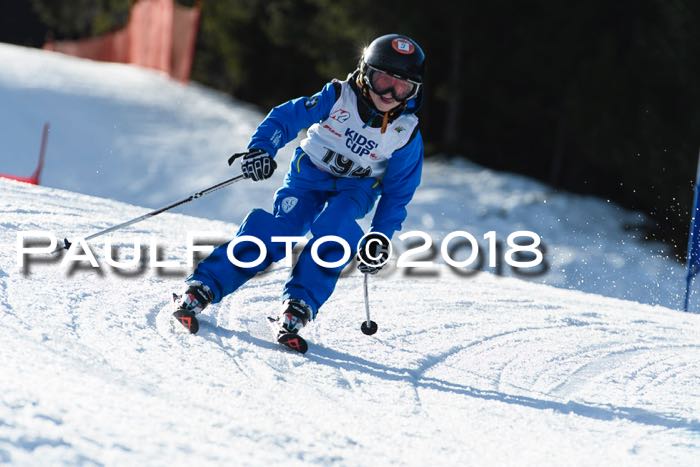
{"x":66,"y":244}
{"x":368,"y":327}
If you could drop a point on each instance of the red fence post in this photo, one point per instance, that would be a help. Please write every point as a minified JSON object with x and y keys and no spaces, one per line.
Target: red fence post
{"x":34,"y":178}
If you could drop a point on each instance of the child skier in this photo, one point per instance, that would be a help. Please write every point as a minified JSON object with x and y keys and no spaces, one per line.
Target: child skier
{"x":362,"y":142}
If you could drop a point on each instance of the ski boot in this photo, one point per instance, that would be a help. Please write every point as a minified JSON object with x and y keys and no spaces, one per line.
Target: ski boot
{"x":294,"y":317}
{"x":194,"y":300}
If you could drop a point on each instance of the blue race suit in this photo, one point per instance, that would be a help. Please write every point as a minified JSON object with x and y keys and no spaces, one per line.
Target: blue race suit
{"x":314,"y":200}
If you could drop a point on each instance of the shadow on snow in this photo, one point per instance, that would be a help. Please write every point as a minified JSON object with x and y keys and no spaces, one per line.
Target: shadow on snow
{"x":332,"y":358}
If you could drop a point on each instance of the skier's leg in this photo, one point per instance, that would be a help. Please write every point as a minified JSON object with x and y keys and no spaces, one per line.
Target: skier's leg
{"x":295,"y":206}
{"x":216,"y":276}
{"x":311,"y":282}
{"x":223,"y":277}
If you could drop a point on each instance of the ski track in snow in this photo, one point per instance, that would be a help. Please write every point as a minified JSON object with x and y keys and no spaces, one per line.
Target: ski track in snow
{"x":482,"y":370}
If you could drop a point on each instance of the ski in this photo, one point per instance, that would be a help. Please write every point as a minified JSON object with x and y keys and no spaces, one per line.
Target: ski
{"x":186,"y":318}
{"x":290,"y":340}
{"x":294,"y":342}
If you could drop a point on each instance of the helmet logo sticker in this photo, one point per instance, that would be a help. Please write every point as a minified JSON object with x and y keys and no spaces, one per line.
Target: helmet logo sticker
{"x":288,"y":203}
{"x":403,"y":46}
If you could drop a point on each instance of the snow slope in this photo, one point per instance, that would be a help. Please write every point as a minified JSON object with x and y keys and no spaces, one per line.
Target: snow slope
{"x":135,"y":136}
{"x":485,"y":371}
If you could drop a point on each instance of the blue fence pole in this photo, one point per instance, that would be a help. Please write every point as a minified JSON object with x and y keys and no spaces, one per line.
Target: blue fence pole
{"x":693,"y":258}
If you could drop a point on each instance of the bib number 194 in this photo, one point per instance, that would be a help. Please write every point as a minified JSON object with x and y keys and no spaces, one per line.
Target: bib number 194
{"x":344,"y":167}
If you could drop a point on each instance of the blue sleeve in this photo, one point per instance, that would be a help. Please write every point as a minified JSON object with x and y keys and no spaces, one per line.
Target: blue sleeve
{"x":284,"y":122}
{"x":400,"y":181}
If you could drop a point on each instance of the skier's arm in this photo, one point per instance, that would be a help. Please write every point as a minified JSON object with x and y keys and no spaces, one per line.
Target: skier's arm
{"x":400,"y":181}
{"x":284,"y":122}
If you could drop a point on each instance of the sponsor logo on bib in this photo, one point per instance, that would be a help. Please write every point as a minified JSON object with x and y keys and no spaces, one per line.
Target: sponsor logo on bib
{"x":340,"y":115}
{"x":357,"y":143}
{"x":332,"y":130}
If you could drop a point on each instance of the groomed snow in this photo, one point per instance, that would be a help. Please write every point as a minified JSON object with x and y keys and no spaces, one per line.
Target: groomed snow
{"x":478,"y":371}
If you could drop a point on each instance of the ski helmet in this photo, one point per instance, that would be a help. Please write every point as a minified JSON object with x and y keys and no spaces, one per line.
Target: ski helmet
{"x":397,"y":56}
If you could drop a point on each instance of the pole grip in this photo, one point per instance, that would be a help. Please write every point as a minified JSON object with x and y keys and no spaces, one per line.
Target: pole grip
{"x":236,"y":156}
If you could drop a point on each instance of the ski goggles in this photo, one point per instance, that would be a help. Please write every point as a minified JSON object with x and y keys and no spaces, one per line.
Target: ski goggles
{"x":382,"y":82}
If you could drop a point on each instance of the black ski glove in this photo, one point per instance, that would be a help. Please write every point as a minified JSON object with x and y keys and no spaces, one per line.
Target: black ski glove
{"x":373,"y":253}
{"x":256,"y":164}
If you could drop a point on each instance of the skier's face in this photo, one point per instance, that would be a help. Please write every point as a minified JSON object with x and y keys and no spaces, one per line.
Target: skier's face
{"x":383,"y":103}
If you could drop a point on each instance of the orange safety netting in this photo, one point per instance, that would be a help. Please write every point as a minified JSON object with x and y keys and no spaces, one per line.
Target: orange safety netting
{"x":160,"y":35}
